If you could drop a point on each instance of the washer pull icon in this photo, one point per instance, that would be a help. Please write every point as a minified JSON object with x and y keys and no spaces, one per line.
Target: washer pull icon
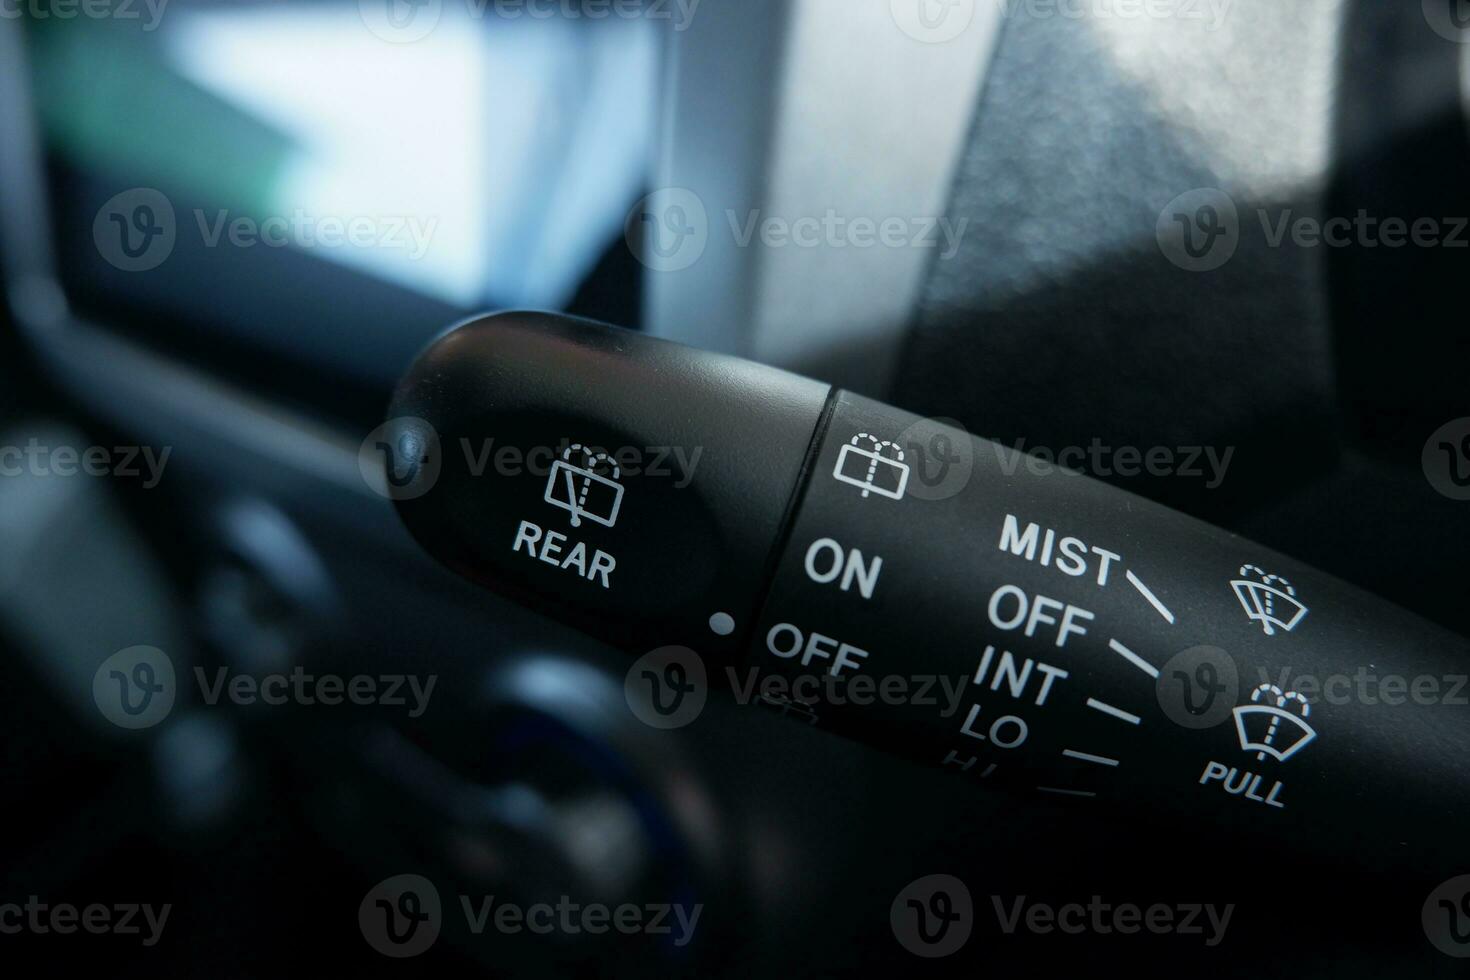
{"x":584,"y":492}
{"x":879,"y":470}
{"x":1273,"y":729}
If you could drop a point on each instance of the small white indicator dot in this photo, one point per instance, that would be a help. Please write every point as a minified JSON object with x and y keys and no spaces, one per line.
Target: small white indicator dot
{"x":723,"y":624}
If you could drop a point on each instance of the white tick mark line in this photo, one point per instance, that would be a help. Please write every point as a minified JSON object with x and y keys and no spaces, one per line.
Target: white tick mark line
{"x":1065,"y":792}
{"x":1153,"y":600}
{"x":1088,"y":757}
{"x":1108,"y":709}
{"x":1134,"y":659}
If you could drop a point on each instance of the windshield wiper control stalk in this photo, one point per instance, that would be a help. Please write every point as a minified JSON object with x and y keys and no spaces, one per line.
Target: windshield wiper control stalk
{"x":1103,"y":648}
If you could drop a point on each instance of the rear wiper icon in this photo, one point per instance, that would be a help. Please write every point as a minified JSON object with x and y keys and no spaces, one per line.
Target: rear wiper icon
{"x":584,"y":492}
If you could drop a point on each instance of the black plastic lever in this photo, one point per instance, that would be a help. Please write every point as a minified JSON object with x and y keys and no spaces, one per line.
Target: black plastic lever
{"x":890,"y":578}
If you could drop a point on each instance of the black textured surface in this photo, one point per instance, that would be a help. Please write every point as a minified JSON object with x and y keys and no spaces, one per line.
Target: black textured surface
{"x":1061,"y":320}
{"x":1321,"y":369}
